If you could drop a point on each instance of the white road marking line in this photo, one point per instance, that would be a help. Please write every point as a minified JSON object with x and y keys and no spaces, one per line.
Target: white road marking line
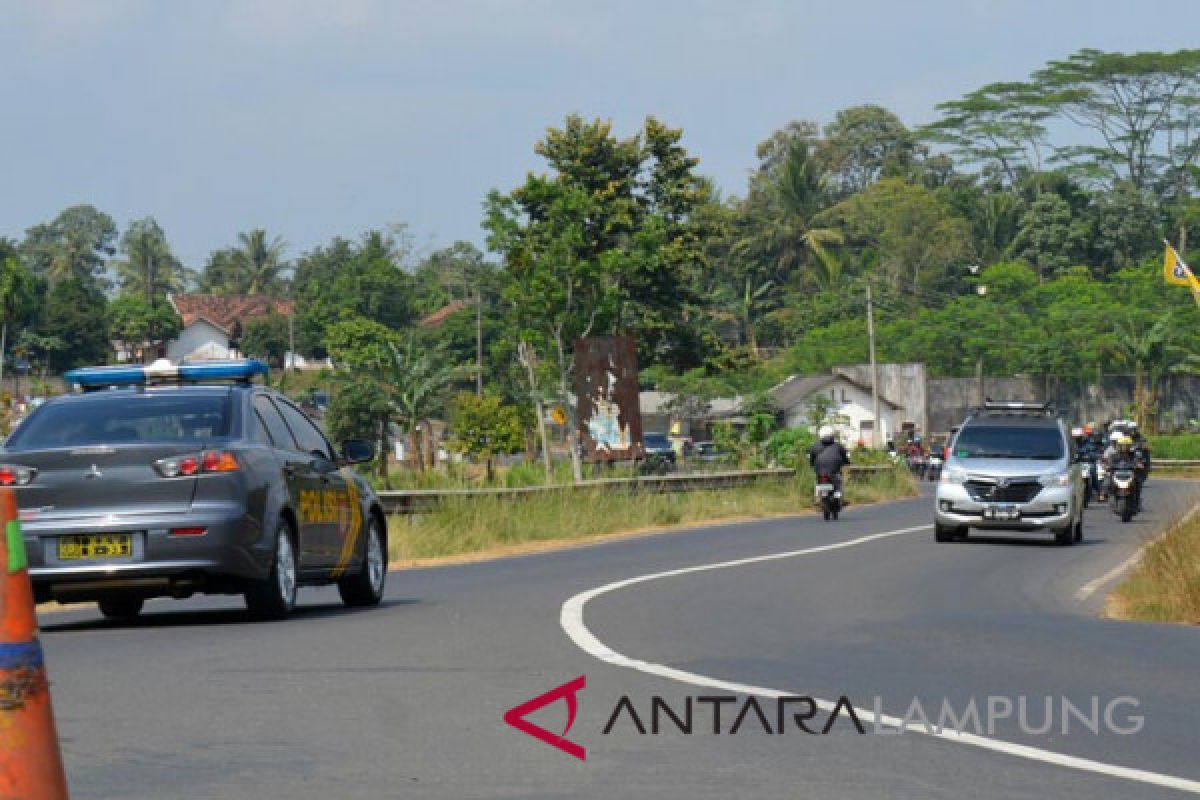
{"x":1090,"y":588}
{"x":571,"y":619}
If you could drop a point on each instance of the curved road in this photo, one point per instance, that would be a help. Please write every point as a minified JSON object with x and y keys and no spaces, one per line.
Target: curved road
{"x":407,"y":700}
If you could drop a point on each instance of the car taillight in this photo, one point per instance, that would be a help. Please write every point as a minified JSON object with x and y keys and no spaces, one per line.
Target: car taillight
{"x":188,"y":531}
{"x":220,"y":461}
{"x":15,"y":475}
{"x":189,"y":465}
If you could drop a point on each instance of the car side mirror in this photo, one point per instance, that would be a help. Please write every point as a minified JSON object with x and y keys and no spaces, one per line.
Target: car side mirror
{"x":357,"y":451}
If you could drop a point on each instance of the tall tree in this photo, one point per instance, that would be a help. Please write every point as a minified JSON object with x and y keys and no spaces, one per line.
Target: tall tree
{"x":1000,"y":126}
{"x":149,"y":268}
{"x":254,"y":266}
{"x":73,"y":246}
{"x":1126,"y":100}
{"x":74,"y":324}
{"x":864,"y":144}
{"x":18,"y":293}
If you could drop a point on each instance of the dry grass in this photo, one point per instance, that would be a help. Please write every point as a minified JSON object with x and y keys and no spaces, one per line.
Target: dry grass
{"x":494,"y":525}
{"x":1165,"y":586}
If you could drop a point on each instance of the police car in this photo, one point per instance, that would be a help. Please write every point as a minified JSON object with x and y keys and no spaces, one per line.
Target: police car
{"x":169,"y":480}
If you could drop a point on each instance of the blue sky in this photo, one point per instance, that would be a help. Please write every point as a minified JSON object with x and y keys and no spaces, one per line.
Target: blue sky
{"x":314,"y":119}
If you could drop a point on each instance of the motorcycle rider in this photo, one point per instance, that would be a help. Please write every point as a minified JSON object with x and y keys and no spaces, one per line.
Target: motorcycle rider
{"x":1124,"y":457}
{"x":827,"y":456}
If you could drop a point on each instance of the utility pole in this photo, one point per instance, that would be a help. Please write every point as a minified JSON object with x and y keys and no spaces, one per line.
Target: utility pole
{"x":874,"y":368}
{"x":979,"y":381}
{"x":478,"y":339}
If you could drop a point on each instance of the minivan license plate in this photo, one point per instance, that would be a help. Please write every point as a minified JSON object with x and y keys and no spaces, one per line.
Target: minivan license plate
{"x":1001,"y":512}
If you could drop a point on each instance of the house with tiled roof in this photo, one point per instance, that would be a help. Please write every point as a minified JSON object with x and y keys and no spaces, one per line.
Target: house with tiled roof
{"x":210,"y":321}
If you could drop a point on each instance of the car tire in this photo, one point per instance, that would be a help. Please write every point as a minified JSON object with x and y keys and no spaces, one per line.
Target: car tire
{"x":1079,"y":529}
{"x":275,"y":597}
{"x":120,"y":607}
{"x":1065,"y":536}
{"x":365,"y":588}
{"x":948,"y":533}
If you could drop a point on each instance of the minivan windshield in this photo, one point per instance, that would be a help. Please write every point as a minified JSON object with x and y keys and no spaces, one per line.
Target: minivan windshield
{"x":1009,"y":441}
{"x":124,"y":418}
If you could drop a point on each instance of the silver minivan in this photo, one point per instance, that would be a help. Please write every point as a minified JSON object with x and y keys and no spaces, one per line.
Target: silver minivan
{"x":1011,"y":467}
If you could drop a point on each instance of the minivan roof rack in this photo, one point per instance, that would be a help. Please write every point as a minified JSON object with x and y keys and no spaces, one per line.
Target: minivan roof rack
{"x":991,"y":406}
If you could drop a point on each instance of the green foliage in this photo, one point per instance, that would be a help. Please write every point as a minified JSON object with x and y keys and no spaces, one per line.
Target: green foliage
{"x":73,"y":330}
{"x":1185,"y":446}
{"x":360,"y":344}
{"x":134,"y":322}
{"x":483,"y":426}
{"x":789,"y":447}
{"x":266,"y":338}
{"x":254,"y":265}
{"x":73,"y":246}
{"x":149,"y":270}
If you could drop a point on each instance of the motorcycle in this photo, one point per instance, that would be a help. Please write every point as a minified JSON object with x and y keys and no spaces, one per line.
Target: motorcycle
{"x":828,"y":497}
{"x":1101,"y":481}
{"x":1124,"y":501}
{"x":934,"y":470}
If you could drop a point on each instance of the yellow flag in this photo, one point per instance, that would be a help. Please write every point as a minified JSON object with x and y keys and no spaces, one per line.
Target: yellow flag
{"x":1177,"y":272}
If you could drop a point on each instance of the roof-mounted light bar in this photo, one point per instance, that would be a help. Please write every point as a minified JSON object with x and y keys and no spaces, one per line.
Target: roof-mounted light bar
{"x":163,"y":371}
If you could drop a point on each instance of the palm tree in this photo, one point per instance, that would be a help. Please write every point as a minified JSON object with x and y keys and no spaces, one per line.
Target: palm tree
{"x":150,"y":269}
{"x":782,"y":234}
{"x":415,"y":379}
{"x":1147,"y":350}
{"x":257,"y":263}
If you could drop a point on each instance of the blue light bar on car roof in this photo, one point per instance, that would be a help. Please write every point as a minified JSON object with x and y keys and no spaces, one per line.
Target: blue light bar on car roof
{"x":163,"y":370}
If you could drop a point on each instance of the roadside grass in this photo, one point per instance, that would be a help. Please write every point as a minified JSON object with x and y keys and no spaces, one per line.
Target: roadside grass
{"x":1165,"y":586}
{"x":1185,"y":446}
{"x":473,"y":526}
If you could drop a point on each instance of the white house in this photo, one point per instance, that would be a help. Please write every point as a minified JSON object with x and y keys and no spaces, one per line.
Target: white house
{"x":209,"y":322}
{"x":848,"y":399}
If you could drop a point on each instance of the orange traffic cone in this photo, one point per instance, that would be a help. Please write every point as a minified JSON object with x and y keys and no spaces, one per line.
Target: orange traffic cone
{"x":30,"y":761}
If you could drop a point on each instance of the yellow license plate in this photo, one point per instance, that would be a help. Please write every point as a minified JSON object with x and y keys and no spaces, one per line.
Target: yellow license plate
{"x":102,"y":545}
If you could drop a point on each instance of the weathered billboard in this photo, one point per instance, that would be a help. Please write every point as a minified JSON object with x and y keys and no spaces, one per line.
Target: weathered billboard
{"x":606,"y":385}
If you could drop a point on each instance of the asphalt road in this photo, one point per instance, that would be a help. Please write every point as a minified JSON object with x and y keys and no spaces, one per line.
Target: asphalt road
{"x":195,"y":701}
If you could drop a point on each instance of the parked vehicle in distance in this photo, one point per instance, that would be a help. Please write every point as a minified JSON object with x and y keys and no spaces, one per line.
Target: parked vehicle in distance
{"x":1012,"y":467}
{"x":660,"y":455}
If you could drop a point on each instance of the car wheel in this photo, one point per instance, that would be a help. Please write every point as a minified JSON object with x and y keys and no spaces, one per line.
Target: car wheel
{"x":366,"y":587}
{"x":1065,"y":536}
{"x":947,"y":533}
{"x":1079,"y":529}
{"x":121,"y":607}
{"x":275,"y":597}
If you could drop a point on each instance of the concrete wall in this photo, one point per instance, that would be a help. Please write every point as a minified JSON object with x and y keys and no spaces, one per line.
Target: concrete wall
{"x":904,"y":384}
{"x":1108,"y":398}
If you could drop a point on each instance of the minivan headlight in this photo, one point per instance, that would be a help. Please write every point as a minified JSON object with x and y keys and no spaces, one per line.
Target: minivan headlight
{"x":1056,"y":479}
{"x":951,"y":475}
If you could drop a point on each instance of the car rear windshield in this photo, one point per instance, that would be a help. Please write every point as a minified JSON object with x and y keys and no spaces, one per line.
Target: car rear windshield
{"x":124,"y":418}
{"x":1005,"y":441}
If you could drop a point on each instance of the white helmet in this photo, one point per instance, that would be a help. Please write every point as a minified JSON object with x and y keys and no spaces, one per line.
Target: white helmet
{"x":826,"y":432}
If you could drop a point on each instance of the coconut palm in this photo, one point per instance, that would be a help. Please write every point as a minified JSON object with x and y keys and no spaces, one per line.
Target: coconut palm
{"x":149,"y":270}
{"x":256,"y":264}
{"x":1147,"y":349}
{"x":782,"y":234}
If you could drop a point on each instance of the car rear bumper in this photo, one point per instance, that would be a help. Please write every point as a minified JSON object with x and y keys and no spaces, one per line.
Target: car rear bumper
{"x":162,"y":562}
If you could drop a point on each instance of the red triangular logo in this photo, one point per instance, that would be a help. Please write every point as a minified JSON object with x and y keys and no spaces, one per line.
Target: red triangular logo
{"x":516,"y":717}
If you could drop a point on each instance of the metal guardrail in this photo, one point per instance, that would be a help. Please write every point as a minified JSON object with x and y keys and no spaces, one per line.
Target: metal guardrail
{"x":1174,"y":462}
{"x":412,"y":501}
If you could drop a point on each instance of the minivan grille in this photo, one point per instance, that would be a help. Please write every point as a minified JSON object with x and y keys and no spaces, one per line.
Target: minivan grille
{"x":1019,"y":490}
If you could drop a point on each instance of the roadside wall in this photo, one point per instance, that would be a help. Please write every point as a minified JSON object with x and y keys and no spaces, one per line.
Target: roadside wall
{"x":949,"y":399}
